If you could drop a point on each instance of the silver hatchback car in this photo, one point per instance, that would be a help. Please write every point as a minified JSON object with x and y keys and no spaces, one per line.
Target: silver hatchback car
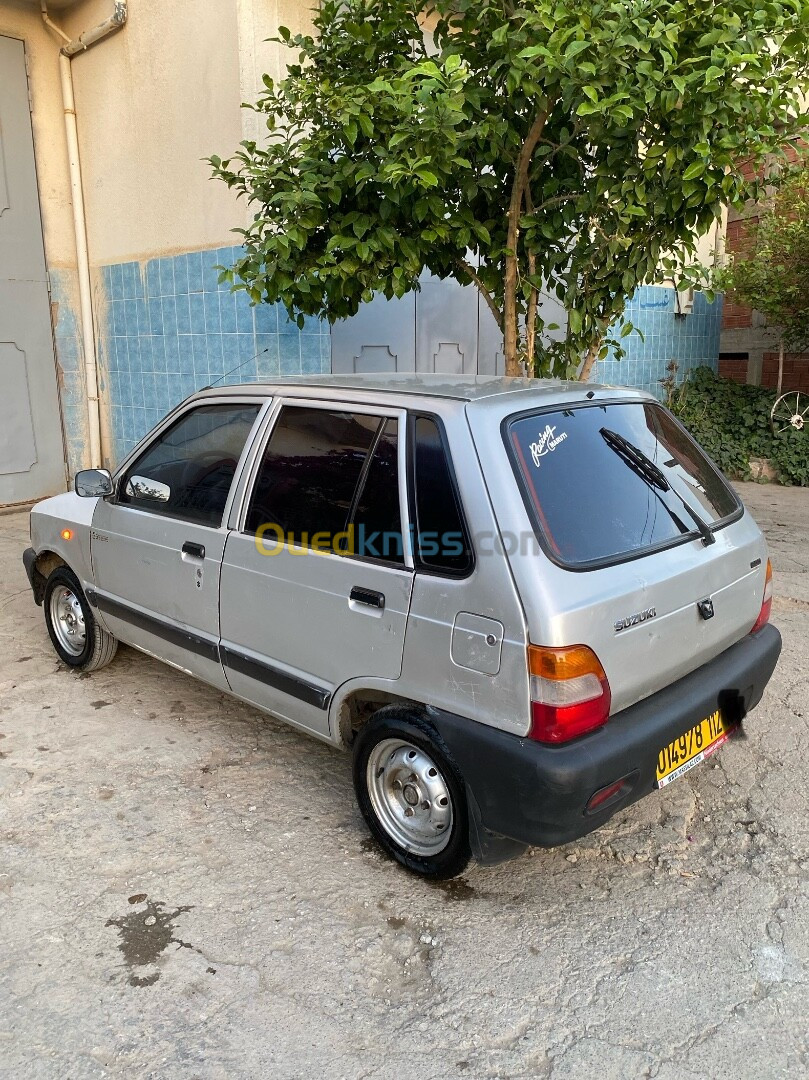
{"x":523,"y":605}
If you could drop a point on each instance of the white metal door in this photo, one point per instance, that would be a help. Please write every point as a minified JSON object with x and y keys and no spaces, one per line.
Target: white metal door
{"x":32,"y":460}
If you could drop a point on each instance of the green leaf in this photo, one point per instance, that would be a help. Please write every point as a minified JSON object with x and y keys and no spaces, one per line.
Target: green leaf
{"x":696,"y":168}
{"x":576,"y":47}
{"x":427,"y":176}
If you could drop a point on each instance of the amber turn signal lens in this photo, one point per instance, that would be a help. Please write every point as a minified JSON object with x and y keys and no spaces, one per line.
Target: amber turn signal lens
{"x":570,"y":662}
{"x":67,"y":534}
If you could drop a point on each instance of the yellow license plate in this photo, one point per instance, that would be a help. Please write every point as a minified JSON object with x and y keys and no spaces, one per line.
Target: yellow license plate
{"x":691,"y":748}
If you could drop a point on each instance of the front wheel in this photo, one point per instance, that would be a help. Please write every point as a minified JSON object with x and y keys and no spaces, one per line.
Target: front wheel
{"x":78,"y":639}
{"x":411,"y":794}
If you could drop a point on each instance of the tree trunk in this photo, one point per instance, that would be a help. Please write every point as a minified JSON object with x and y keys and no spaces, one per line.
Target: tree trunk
{"x":780,"y":366}
{"x":589,"y":359}
{"x":510,"y":317}
{"x":531,"y":325}
{"x":591,"y":355}
{"x":510,"y":328}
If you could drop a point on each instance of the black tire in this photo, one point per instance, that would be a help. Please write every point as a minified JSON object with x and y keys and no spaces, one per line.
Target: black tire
{"x":99,"y":646}
{"x":396,"y":722}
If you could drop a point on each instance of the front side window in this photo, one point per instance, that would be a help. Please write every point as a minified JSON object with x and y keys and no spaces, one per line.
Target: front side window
{"x":329,"y":480}
{"x":610,"y":482}
{"x":187,"y":471}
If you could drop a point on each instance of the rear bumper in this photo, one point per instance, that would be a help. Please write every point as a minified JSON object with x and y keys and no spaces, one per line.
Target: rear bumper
{"x":536,"y":794}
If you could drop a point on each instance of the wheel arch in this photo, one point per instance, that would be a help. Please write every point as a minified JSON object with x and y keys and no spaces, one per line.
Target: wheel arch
{"x":354,"y":705}
{"x":44,"y":565}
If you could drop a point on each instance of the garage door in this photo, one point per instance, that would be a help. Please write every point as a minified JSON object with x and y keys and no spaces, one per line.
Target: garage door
{"x":31,"y":444}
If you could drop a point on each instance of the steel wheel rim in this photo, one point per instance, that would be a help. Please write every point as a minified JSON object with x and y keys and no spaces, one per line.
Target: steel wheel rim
{"x":67,"y":620}
{"x":410,"y":797}
{"x":787,"y":413}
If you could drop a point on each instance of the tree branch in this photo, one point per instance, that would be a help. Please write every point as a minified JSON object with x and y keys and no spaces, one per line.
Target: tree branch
{"x":552,"y":202}
{"x":470,"y":270}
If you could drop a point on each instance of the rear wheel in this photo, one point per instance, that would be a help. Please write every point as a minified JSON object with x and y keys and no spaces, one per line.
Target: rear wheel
{"x":76,"y":636}
{"x":411,"y":794}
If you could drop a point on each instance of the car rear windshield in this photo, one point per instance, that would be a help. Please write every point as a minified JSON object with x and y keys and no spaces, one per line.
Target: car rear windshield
{"x":610,"y":482}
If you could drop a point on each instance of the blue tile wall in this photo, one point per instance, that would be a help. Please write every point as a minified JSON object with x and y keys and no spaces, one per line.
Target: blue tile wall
{"x":70,"y":364}
{"x":172,"y":329}
{"x":689,"y":340}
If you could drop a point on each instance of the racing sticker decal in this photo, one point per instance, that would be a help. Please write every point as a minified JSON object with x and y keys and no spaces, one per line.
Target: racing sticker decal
{"x":547,"y":440}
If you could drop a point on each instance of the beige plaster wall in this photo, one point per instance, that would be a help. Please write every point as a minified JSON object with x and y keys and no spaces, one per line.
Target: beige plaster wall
{"x":152,"y":102}
{"x":259,"y":20}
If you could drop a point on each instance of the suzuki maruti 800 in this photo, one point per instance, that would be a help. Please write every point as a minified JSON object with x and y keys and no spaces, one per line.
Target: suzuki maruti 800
{"x":521,"y":605}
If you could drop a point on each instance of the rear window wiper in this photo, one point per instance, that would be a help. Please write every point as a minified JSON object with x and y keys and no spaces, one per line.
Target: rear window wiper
{"x":646,"y":469}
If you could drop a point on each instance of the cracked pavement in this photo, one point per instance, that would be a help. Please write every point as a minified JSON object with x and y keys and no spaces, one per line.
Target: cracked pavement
{"x":187,"y":890}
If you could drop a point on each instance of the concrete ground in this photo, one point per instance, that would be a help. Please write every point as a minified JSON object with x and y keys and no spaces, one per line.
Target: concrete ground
{"x":187,"y":890}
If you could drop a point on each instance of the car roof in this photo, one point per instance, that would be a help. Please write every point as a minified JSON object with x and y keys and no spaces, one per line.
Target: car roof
{"x":467,"y":388}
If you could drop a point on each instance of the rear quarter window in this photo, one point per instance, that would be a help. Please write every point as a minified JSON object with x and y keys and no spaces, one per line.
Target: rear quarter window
{"x":592,"y":505}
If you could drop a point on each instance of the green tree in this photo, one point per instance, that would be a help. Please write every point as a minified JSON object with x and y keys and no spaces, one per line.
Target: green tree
{"x":560,"y":145}
{"x":771,"y":271}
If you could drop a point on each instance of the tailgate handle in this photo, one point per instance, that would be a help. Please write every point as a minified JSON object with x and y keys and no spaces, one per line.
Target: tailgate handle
{"x":367,"y":596}
{"x":197,"y":550}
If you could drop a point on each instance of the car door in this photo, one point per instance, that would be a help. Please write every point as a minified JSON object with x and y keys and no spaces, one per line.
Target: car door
{"x":317,"y":575}
{"x":157,"y":543}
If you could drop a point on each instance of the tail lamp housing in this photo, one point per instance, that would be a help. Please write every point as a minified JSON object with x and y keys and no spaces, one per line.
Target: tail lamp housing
{"x":570,"y":693}
{"x":766,"y":603}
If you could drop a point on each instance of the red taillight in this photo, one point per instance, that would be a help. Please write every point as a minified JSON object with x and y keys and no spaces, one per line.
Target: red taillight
{"x":570,"y":694}
{"x":766,"y":604}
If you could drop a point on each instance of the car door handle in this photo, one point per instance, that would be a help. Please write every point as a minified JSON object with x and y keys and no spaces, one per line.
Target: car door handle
{"x":369,"y":597}
{"x":197,"y":550}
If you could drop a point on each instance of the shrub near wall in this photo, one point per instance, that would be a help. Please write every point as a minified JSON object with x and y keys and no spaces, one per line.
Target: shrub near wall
{"x":732,"y":421}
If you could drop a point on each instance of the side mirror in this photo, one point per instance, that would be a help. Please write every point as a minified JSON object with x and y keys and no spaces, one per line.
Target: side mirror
{"x":92,"y":483}
{"x":141,"y":487}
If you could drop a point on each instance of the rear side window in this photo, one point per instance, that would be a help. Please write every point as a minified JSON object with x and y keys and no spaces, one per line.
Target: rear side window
{"x":191,"y":465}
{"x":610,"y":482}
{"x":441,"y":539}
{"x":376,"y":516}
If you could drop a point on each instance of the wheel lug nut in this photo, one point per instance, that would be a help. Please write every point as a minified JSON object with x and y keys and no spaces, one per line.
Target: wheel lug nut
{"x":408,"y":811}
{"x":425,"y":805}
